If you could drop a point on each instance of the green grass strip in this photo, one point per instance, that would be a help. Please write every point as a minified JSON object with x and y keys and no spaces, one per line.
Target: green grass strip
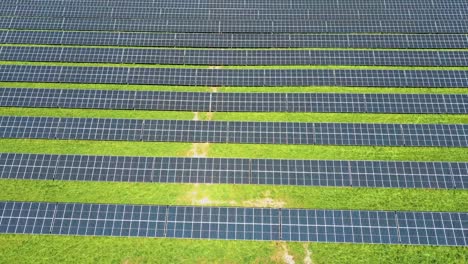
{"x":89,"y":113}
{"x":235,"y":195}
{"x":75,"y":249}
{"x":341,"y":117}
{"x":318,"y":89}
{"x":241,"y":116}
{"x":279,"y":67}
{"x":265,"y":151}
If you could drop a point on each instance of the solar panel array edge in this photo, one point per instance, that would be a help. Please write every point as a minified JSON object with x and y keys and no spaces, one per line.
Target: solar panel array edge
{"x":234,"y":102}
{"x":234,"y":223}
{"x":433,"y":135}
{"x":219,"y":40}
{"x":257,"y":26}
{"x":243,"y":78}
{"x":369,"y":174}
{"x":234,"y":57}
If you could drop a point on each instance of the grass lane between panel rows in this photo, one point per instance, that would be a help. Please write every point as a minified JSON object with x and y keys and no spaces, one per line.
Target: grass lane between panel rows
{"x":278,"y":196}
{"x":241,"y":116}
{"x":220,"y":150}
{"x":57,"y":249}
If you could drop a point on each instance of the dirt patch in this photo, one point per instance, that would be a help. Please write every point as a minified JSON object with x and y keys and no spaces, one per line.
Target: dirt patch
{"x":132,"y":261}
{"x":308,"y":255}
{"x":197,"y":197}
{"x":196,"y":116}
{"x":215,"y":67}
{"x":265,"y":202}
{"x":281,"y":254}
{"x":199,"y":150}
{"x":209,"y":116}
{"x":214,"y":89}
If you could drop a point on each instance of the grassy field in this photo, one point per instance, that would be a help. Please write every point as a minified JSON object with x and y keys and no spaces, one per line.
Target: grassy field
{"x":75,"y":249}
{"x":389,"y":199}
{"x":63,"y":249}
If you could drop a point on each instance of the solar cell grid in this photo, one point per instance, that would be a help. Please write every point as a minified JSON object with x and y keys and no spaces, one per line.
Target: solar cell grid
{"x":236,"y":132}
{"x":240,"y":13}
{"x":386,"y":174}
{"x":379,"y":227}
{"x":422,"y":228}
{"x":223,"y":223}
{"x":241,"y":26}
{"x":214,"y":77}
{"x":234,"y":57}
{"x":256,"y":5}
{"x":109,"y":220}
{"x":234,"y":40}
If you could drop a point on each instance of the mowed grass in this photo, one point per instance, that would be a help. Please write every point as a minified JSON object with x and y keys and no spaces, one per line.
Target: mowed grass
{"x":221,"y":150}
{"x":72,"y":249}
{"x":278,"y":196}
{"x":240,"y":116}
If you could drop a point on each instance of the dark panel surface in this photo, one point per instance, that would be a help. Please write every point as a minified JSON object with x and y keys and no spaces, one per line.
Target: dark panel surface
{"x":235,"y":40}
{"x":217,"y":77}
{"x":376,"y":227}
{"x":387,"y":174}
{"x":349,"y":134}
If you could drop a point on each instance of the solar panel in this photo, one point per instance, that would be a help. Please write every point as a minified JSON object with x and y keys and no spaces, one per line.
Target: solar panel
{"x":215,"y":77}
{"x":231,"y":223}
{"x":235,"y":102}
{"x":256,"y":4}
{"x":433,"y":135}
{"x":387,"y":174}
{"x":235,"y":57}
{"x":240,"y":13}
{"x":241,"y":26}
{"x":223,"y":223}
{"x":216,"y":40}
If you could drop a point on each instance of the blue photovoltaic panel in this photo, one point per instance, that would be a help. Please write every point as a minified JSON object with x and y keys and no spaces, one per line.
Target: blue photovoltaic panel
{"x":350,"y":134}
{"x":338,"y":173}
{"x":109,"y":220}
{"x":422,"y":228}
{"x":251,"y":5}
{"x":90,"y":11}
{"x":223,"y":223}
{"x":242,"y":26}
{"x":235,"y":57}
{"x":340,"y":226}
{"x":235,"y":102}
{"x":211,"y":40}
{"x":376,"y":227}
{"x":216,"y":77}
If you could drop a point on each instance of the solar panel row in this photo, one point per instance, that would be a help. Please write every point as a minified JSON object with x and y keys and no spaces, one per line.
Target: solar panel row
{"x":235,"y":102}
{"x":231,"y":14}
{"x":336,"y":173}
{"x":235,"y":57}
{"x":435,"y":41}
{"x":380,"y":227}
{"x":215,"y":77}
{"x":249,"y":4}
{"x":235,"y":132}
{"x":242,"y":26}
